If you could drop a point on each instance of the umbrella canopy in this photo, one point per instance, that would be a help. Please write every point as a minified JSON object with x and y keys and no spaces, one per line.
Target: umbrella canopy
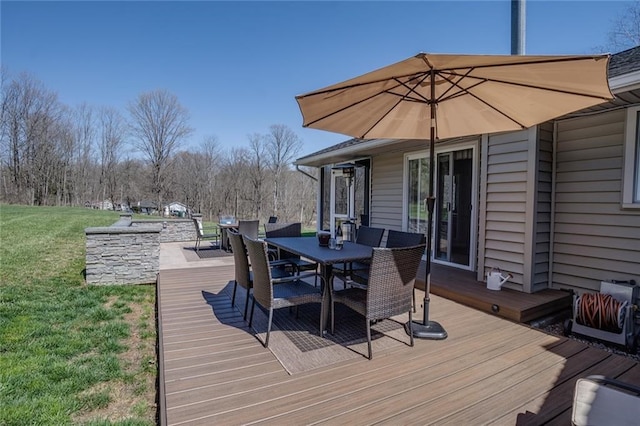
{"x":444,"y":96}
{"x":471,"y":94}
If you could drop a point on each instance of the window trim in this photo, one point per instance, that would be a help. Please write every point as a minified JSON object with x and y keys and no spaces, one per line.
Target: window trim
{"x":631,"y":160}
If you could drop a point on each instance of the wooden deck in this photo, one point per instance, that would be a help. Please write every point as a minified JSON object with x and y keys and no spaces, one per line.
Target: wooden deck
{"x":489,"y":370}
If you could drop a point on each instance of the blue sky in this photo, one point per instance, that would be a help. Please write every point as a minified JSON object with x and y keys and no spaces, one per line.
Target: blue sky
{"x":237,"y":66}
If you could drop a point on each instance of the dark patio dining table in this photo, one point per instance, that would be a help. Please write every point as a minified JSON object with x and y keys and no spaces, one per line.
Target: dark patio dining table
{"x":309,"y":248}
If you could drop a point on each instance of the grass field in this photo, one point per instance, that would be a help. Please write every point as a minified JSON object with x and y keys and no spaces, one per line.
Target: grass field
{"x":69,"y":353}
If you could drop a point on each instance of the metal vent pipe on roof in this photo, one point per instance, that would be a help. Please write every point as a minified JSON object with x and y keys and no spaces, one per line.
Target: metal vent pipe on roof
{"x":518,"y":26}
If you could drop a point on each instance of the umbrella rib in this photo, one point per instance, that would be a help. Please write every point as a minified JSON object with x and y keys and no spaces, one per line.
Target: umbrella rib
{"x":520,"y":63}
{"x":402,"y":97}
{"x":413,"y":75}
{"x":466,"y":91}
{"x":511,"y":83}
{"x":387,"y":91}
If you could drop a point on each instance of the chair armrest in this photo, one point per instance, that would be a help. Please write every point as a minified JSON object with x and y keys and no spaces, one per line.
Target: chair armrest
{"x":297,"y":277}
{"x":348,"y":281}
{"x":282,"y":262}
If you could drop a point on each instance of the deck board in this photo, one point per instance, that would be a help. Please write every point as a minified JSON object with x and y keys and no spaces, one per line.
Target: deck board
{"x":489,"y":369}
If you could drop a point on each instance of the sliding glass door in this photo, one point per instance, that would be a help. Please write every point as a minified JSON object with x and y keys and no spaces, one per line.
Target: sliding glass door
{"x":453,"y":215}
{"x":454,"y":206}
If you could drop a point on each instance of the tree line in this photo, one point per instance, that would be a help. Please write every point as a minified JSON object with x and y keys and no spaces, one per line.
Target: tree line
{"x":54,"y":154}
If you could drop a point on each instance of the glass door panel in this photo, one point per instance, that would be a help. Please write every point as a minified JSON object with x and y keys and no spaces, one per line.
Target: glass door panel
{"x":418,"y":192}
{"x":454,"y":206}
{"x":342,"y":199}
{"x":443,"y":206}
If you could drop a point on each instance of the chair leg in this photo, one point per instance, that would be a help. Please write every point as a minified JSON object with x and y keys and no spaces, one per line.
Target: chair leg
{"x":266,"y":341}
{"x":233,"y":295}
{"x":333,"y":317}
{"x":369,"y":337}
{"x":321,"y":316}
{"x":253,"y":305}
{"x":411,"y":328}
{"x":246,"y":303}
{"x":413,"y":297}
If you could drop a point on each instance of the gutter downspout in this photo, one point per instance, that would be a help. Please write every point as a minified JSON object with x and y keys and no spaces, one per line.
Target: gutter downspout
{"x":305,"y":173}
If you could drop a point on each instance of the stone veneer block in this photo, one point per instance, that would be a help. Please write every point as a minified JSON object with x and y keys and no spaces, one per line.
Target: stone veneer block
{"x":128,"y":252}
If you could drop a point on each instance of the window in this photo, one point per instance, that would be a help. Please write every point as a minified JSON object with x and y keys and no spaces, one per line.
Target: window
{"x":631,"y":172}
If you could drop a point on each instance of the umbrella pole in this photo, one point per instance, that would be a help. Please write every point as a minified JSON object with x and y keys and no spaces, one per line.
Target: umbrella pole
{"x":429,"y":329}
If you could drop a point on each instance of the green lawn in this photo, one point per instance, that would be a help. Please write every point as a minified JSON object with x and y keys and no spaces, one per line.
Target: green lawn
{"x":69,"y":353}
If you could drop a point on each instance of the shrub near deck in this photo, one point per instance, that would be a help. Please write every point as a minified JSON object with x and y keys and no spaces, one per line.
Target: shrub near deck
{"x":70,"y":352}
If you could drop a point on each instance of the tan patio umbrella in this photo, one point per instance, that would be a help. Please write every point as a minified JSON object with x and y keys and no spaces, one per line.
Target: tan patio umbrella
{"x":434,"y":96}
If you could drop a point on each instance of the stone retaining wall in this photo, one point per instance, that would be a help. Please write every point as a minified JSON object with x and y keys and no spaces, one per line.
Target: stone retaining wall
{"x":173,"y":230}
{"x":128,"y":252}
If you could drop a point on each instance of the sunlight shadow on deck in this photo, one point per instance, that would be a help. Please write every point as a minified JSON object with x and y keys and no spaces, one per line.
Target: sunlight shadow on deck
{"x":294,"y":338}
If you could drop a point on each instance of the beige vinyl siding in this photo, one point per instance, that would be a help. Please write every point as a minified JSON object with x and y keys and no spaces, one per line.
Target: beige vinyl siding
{"x":503,"y":224}
{"x":594,"y":238}
{"x":542,"y":214}
{"x":386,"y":191}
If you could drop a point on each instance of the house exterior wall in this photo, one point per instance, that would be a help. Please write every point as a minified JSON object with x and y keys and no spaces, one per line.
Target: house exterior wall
{"x":387,"y":191}
{"x":594,"y":238}
{"x":542,"y":220}
{"x":504,"y":198}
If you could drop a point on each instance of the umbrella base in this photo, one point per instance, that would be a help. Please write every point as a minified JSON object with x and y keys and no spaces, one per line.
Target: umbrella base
{"x":431,"y":330}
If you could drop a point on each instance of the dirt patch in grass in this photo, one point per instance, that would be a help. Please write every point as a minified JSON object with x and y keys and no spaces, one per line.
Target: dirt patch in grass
{"x":135,"y":395}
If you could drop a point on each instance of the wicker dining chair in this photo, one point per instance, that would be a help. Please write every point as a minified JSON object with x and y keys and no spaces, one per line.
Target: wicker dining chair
{"x":389,"y":289}
{"x":403,"y":239}
{"x":249,"y":228}
{"x":359,"y":275}
{"x":274,"y":293}
{"x":243,"y":273}
{"x":395,"y":239}
{"x":274,"y":230}
{"x":368,"y":236}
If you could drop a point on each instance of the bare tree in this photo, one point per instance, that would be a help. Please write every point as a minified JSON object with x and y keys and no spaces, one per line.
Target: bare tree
{"x":158,"y":123}
{"x":65,"y":194}
{"x":210,"y":159}
{"x":112,"y":138}
{"x":30,"y":120}
{"x":257,"y":171}
{"x":282,"y":147}
{"x":84,"y":133}
{"x":625,"y":30}
{"x":133,"y":174}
